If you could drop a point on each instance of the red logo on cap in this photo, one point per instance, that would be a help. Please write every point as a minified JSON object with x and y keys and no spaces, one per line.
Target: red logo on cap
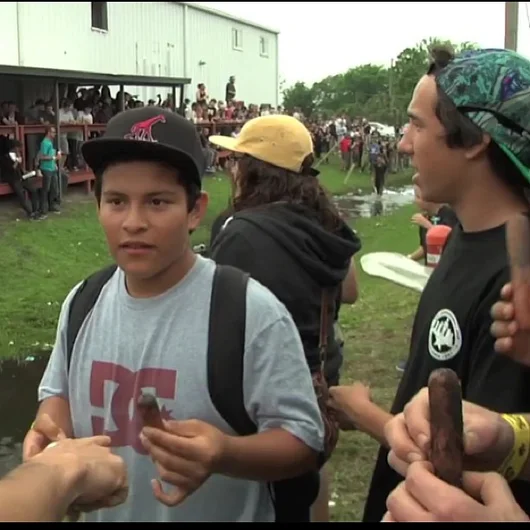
{"x":143,"y":131}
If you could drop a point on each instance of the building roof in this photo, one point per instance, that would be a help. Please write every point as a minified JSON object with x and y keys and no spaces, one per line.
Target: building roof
{"x":91,"y":78}
{"x":196,"y":5}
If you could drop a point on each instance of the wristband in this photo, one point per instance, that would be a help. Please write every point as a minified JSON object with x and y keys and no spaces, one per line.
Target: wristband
{"x":515,"y":461}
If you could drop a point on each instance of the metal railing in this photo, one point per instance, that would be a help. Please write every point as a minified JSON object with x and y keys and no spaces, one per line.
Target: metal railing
{"x":21,"y":132}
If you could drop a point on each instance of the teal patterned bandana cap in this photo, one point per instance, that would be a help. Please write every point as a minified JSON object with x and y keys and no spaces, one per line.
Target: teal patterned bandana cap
{"x":496,"y":83}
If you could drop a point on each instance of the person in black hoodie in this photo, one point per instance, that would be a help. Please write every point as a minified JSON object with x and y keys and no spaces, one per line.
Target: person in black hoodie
{"x":284,"y":230}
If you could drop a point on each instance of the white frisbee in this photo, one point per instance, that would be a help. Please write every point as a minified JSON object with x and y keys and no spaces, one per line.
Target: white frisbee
{"x":396,"y":268}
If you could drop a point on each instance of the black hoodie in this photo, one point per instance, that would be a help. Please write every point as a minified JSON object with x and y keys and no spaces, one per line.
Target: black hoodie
{"x":285,"y":248}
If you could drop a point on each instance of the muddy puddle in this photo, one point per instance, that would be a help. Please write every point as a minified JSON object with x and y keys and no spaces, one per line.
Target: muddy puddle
{"x":370,"y":205}
{"x":18,"y":404}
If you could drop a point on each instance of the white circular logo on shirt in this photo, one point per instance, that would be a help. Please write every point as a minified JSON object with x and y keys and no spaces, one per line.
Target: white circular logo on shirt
{"x":445,"y":337}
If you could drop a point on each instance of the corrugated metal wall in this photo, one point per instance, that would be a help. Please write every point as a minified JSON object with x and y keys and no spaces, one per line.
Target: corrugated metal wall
{"x":9,"y":33}
{"x":143,"y":38}
{"x":211,"y":41}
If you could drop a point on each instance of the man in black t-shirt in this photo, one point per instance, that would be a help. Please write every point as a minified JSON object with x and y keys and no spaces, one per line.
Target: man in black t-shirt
{"x":432,"y":214}
{"x":468,"y":138}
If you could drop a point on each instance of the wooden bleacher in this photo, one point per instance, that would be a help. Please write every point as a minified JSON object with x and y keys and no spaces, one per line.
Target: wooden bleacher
{"x":85,"y":177}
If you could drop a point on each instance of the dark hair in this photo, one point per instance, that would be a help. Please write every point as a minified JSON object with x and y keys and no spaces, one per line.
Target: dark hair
{"x":261,"y":184}
{"x":193,"y":191}
{"x":461,"y":132}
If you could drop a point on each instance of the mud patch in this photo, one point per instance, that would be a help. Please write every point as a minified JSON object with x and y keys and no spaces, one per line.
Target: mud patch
{"x":371,"y":205}
{"x":18,"y":404}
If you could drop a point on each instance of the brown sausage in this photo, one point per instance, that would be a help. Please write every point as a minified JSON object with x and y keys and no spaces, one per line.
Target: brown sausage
{"x":149,"y":412}
{"x":518,"y":245}
{"x":447,"y":437}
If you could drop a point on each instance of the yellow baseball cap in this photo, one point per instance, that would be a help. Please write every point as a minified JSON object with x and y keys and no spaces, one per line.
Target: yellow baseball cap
{"x":279,"y":140}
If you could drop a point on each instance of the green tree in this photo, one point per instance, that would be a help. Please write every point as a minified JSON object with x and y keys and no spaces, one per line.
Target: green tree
{"x":410,"y":65}
{"x":299,"y":96}
{"x":371,"y":91}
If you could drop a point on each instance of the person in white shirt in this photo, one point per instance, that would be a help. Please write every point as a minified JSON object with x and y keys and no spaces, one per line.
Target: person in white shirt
{"x":84,"y":118}
{"x":66,"y":117}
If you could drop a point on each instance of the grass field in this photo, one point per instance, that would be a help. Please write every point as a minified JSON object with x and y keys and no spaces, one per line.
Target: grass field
{"x":42,"y":262}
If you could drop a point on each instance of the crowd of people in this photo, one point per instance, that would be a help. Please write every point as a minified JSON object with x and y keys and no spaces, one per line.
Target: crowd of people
{"x":361,"y":146}
{"x":95,"y":105}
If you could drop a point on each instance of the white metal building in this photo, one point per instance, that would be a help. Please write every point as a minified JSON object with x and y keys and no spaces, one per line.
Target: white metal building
{"x":165,"y":39}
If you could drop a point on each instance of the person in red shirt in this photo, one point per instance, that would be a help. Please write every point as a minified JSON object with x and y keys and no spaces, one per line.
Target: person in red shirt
{"x":345,"y":151}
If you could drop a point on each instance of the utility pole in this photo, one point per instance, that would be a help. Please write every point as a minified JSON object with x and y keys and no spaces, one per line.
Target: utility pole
{"x":511,"y":25}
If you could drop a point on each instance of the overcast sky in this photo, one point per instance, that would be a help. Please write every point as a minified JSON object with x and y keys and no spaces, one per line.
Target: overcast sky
{"x":320,"y":39}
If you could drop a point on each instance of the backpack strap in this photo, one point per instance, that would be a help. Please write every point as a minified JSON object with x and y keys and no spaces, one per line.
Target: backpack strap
{"x":226,"y":350}
{"x":82,"y":303}
{"x":226,"y":347}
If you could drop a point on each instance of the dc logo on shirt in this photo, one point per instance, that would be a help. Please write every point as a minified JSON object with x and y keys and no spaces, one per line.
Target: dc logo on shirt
{"x":445,"y":337}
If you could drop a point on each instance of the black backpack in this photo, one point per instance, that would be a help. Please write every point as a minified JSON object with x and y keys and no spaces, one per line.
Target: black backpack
{"x":292,"y":498}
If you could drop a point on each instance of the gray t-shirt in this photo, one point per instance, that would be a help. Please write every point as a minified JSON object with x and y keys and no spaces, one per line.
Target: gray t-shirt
{"x":159,"y":345}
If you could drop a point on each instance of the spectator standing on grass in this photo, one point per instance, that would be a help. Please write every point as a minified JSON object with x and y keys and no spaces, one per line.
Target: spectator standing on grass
{"x":467,"y":139}
{"x":149,"y":199}
{"x":283,"y":229}
{"x":11,"y":172}
{"x":379,"y":174}
{"x":48,"y":159}
{"x":346,"y":152}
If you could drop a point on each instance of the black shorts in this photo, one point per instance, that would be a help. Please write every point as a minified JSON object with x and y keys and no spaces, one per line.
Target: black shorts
{"x":379,"y":180}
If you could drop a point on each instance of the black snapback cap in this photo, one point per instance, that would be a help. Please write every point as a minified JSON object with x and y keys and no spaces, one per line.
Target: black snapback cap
{"x":148,"y":133}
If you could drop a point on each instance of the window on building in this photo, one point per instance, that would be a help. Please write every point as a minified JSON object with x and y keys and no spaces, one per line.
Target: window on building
{"x":237,"y":39}
{"x":100,"y":18}
{"x":263,"y":47}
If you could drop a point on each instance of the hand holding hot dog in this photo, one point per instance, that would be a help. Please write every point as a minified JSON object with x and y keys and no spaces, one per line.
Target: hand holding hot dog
{"x":422,"y":497}
{"x":186,"y":453}
{"x":487,"y":437}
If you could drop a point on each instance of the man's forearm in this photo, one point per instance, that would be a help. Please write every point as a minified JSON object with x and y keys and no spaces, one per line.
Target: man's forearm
{"x":372,"y":420}
{"x":417,"y":254}
{"x":269,"y":456}
{"x":58,"y":409}
{"x":38,"y":492}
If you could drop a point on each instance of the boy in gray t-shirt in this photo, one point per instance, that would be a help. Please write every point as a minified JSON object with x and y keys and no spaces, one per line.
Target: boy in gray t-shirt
{"x":148,"y":331}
